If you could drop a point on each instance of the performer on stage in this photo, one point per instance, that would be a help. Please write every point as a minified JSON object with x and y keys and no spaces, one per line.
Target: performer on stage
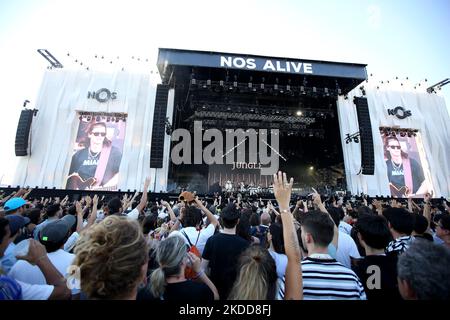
{"x":97,"y":164}
{"x":404,"y":173}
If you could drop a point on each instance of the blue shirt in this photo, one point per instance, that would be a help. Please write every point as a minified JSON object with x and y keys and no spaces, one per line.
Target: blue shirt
{"x":9,"y":259}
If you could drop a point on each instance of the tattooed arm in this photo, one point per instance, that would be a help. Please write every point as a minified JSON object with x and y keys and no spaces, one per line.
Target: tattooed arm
{"x":293,"y":277}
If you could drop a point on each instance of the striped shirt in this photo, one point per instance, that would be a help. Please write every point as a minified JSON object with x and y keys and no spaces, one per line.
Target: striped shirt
{"x":399,"y":245}
{"x":327,"y":279}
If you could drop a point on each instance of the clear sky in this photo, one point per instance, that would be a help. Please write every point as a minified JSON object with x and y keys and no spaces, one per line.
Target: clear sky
{"x":404,"y":38}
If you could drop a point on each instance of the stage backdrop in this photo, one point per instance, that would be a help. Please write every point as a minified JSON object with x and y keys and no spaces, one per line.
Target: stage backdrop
{"x":97,"y":152}
{"x":64,"y":94}
{"x":429,"y":150}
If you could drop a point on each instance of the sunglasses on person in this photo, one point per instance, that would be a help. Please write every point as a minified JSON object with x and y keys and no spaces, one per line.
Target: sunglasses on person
{"x":395,"y":147}
{"x":103,"y":134}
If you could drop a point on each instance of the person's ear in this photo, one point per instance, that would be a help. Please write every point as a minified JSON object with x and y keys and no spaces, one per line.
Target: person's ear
{"x":405,"y":289}
{"x":308,"y":238}
{"x":361,"y":240}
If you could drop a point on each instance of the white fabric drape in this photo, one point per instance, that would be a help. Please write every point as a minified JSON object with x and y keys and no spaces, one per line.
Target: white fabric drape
{"x":429,"y":116}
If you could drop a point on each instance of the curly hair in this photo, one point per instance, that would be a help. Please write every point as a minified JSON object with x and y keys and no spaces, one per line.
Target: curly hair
{"x":110,"y":256}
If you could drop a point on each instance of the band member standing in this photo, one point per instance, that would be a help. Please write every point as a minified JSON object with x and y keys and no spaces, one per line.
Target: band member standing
{"x":97,"y":164}
{"x":404,"y":173}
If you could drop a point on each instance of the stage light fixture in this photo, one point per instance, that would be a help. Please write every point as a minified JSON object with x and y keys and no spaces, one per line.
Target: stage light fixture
{"x":97,"y":119}
{"x":88,"y":118}
{"x":299,"y":113}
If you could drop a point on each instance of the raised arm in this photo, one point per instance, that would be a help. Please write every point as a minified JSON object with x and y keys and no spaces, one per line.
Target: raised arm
{"x":293,"y":276}
{"x":212,"y":219}
{"x":143,"y":203}
{"x":37,"y":255}
{"x":201,"y":275}
{"x":427,"y":209}
{"x":169,"y":209}
{"x":79,"y":216}
{"x":93,"y":215}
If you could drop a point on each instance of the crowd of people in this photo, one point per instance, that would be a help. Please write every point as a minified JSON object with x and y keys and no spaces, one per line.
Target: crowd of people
{"x":224,"y":249}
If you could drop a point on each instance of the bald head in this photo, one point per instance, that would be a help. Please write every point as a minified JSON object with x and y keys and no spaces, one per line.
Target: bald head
{"x":265,"y":218}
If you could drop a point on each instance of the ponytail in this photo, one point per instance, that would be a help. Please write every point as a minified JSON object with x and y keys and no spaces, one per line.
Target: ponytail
{"x":158,"y":282}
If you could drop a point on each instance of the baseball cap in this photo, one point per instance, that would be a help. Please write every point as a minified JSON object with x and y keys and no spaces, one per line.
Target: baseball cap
{"x":16,"y":223}
{"x":14,"y":203}
{"x":55,"y":232}
{"x":230,"y":212}
{"x":186,"y":196}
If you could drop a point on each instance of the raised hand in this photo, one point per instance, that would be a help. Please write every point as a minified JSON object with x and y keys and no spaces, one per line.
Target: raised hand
{"x":95,"y":201}
{"x":316,"y":198}
{"x":282,"y":190}
{"x":164,"y":203}
{"x":36,"y":252}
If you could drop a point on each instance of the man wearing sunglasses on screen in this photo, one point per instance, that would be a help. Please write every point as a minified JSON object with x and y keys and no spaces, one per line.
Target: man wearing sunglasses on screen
{"x":96,"y":166}
{"x":405,"y":174}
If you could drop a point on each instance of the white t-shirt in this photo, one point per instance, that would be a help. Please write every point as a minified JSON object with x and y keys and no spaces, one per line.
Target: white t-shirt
{"x":192,"y":234}
{"x":133,"y":214}
{"x":281,"y":264}
{"x":70,"y":243}
{"x":27,"y":273}
{"x":345,"y":227}
{"x":346,"y":249}
{"x":35,"y":291}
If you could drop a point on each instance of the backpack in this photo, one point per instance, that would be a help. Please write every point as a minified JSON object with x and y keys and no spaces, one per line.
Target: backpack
{"x":189,"y":272}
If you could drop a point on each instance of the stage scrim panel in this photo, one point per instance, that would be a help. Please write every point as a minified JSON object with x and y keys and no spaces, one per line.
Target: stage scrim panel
{"x":97,"y":152}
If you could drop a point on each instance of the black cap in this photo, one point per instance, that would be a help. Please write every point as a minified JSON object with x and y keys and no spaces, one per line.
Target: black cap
{"x":56,"y":232}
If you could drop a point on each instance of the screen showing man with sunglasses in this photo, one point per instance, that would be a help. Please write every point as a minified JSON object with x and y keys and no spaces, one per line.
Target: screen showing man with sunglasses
{"x":89,"y":169}
{"x":405,"y":174}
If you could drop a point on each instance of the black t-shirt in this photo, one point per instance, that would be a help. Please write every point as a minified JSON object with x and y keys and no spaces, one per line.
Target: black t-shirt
{"x":86,"y":167}
{"x":388,"y":272}
{"x":223,"y":251}
{"x":397,"y":177}
{"x":186,"y":291}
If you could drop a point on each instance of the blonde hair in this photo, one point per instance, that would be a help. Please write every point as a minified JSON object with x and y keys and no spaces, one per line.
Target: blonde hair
{"x":257,"y":277}
{"x":169,"y":254}
{"x":110,"y":255}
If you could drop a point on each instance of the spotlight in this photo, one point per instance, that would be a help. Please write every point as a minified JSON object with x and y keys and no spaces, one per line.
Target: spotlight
{"x":88,"y":118}
{"x":311,"y":168}
{"x":97,"y":118}
{"x":299,"y":113}
{"x":402,"y":133}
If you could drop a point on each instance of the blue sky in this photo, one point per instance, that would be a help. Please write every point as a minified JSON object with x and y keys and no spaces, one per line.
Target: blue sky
{"x":395,"y":38}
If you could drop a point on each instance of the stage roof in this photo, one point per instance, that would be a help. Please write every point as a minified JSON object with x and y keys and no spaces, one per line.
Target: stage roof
{"x":180,"y":65}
